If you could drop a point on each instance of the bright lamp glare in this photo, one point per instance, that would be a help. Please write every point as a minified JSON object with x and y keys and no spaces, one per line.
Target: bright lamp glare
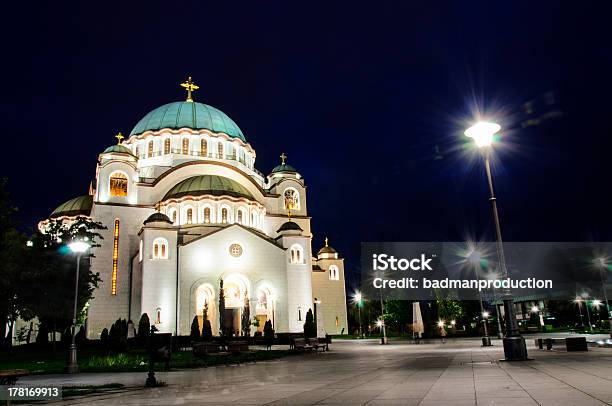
{"x":357,"y":297}
{"x":379,"y":323}
{"x":79,"y":247}
{"x":482,"y":133}
{"x":441,"y":323}
{"x":485,"y":314}
{"x":596,"y":302}
{"x":535,"y":309}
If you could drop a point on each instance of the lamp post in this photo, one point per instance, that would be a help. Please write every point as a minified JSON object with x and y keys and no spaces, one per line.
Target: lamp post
{"x":474,"y":257}
{"x":603,"y":266}
{"x":357,"y":299}
{"x":383,"y":330}
{"x":78,"y":247}
{"x":578,"y":301}
{"x":316,"y":302}
{"x":584,"y":297}
{"x":514,"y":344}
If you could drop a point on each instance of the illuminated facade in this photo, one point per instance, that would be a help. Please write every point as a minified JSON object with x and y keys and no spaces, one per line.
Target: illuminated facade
{"x":185,"y":207}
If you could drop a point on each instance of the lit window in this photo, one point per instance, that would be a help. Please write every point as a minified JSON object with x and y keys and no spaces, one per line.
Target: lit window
{"x":224,"y":215}
{"x":239,"y":217}
{"x":334,"y":273}
{"x":150,"y":149}
{"x":115,"y":258}
{"x":189,"y":216}
{"x":118,"y":184}
{"x":173,"y":215}
{"x":160,"y":248}
{"x":292,"y":199}
{"x":203,"y":148}
{"x":158,"y":316}
{"x":185,"y":146}
{"x":167,"y":146}
{"x":207,"y":215}
{"x":220,"y":149}
{"x":296,"y":254}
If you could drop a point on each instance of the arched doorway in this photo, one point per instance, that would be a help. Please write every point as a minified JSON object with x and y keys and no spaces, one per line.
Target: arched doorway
{"x":236,"y":289}
{"x":264,"y":308}
{"x":205,"y":295}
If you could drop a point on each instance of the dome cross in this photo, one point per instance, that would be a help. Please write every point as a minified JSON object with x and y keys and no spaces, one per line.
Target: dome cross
{"x":190,"y":86}
{"x":119,"y":137}
{"x":283,"y":158}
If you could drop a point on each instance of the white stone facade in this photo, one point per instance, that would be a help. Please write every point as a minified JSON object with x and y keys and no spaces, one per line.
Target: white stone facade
{"x":227,"y":230}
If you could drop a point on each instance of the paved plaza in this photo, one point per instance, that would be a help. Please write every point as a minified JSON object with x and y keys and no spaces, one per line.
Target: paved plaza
{"x":458,"y":372}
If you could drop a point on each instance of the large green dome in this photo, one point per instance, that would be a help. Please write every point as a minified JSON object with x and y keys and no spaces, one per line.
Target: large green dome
{"x":188,"y":115}
{"x":208,"y":185}
{"x":79,"y":206}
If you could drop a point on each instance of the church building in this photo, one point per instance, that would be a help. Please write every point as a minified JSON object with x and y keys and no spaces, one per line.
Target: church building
{"x":186,"y":210}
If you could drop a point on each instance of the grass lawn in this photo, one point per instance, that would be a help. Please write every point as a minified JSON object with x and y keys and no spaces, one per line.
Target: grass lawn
{"x":46,"y":362}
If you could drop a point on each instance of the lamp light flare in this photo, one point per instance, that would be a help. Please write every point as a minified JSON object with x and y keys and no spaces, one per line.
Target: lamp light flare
{"x":78,"y":247}
{"x":440,"y":323}
{"x":535,"y":309}
{"x":485,"y":314}
{"x":482,"y":132}
{"x":596,"y":303}
{"x":357,"y":297}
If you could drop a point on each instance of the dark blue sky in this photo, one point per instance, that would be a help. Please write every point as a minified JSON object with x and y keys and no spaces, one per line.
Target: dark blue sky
{"x":358,"y":95}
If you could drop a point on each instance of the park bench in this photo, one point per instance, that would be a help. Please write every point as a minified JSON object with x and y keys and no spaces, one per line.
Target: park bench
{"x":201,"y":349}
{"x":570,"y":343}
{"x":237,"y":347}
{"x":300,"y":344}
{"x":317,"y":344}
{"x":160,"y":348}
{"x":10,"y":376}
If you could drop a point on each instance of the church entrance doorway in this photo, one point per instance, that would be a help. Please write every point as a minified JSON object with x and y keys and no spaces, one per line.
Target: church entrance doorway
{"x":231,"y":321}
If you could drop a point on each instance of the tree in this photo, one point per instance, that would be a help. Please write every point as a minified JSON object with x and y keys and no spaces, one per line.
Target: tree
{"x":206,"y":327}
{"x":13,"y":278}
{"x":195,"y":328}
{"x":310,"y":330}
{"x":118,"y":335}
{"x":144,"y":328}
{"x":221,"y":309}
{"x":104,"y":337}
{"x":50,"y":265}
{"x":245,"y":322}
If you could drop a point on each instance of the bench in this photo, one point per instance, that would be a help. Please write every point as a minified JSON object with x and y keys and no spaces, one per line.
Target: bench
{"x":237,"y":347}
{"x":10,"y":376}
{"x":202,"y":349}
{"x":570,"y":343}
{"x":303,"y":344}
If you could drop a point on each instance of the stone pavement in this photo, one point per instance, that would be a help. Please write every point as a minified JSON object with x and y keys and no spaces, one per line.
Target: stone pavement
{"x":459,"y":372}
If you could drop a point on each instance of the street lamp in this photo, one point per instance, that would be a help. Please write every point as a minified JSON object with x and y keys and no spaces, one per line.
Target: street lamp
{"x":603,"y":266}
{"x":79,"y":248}
{"x":584,"y":298}
{"x":383,"y":339}
{"x":578,"y":301}
{"x":357,"y":299}
{"x":514,"y":344}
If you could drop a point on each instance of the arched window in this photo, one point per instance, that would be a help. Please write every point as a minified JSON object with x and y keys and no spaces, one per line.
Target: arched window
{"x":118,"y":184}
{"x":297,"y":255}
{"x":253,"y":219}
{"x":167,"y":146}
{"x":185,"y":144}
{"x":334,"y":273}
{"x":207,"y":214}
{"x":239,"y":220}
{"x":189,"y":216}
{"x":160,"y":248}
{"x":137,"y":151}
{"x":224,"y":215}
{"x":337,"y":321}
{"x":150,"y":149}
{"x":292,"y":199}
{"x":172,"y":215}
{"x":203,"y":148}
{"x":220,"y":149}
{"x":158,"y":316}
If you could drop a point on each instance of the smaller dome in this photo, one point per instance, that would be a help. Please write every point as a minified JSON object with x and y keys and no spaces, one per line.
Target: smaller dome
{"x":284,"y":168}
{"x":74,"y":207}
{"x":117,"y":149}
{"x":157,"y":217}
{"x":289,"y":226}
{"x":327,"y":249}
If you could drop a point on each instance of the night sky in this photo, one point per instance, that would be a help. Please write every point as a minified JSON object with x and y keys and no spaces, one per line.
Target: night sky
{"x":368,"y":100}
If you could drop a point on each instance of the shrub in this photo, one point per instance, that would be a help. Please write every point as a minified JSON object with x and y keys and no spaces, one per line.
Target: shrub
{"x":118,"y":335}
{"x":195,"y":328}
{"x":104,"y":337}
{"x":207,"y":331}
{"x":144,"y":328}
{"x":310,"y":330}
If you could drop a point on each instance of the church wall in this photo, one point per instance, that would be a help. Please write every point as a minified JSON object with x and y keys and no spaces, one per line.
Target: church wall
{"x":299,"y":285}
{"x":135,"y":302}
{"x":206,"y":260}
{"x":158,"y":291}
{"x":332,"y":294}
{"x":105,"y":308}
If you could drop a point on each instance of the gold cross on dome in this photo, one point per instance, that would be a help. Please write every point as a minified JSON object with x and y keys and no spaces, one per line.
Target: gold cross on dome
{"x":190,"y":86}
{"x":119,"y":137}
{"x":283,"y":158}
{"x":326,"y":240}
